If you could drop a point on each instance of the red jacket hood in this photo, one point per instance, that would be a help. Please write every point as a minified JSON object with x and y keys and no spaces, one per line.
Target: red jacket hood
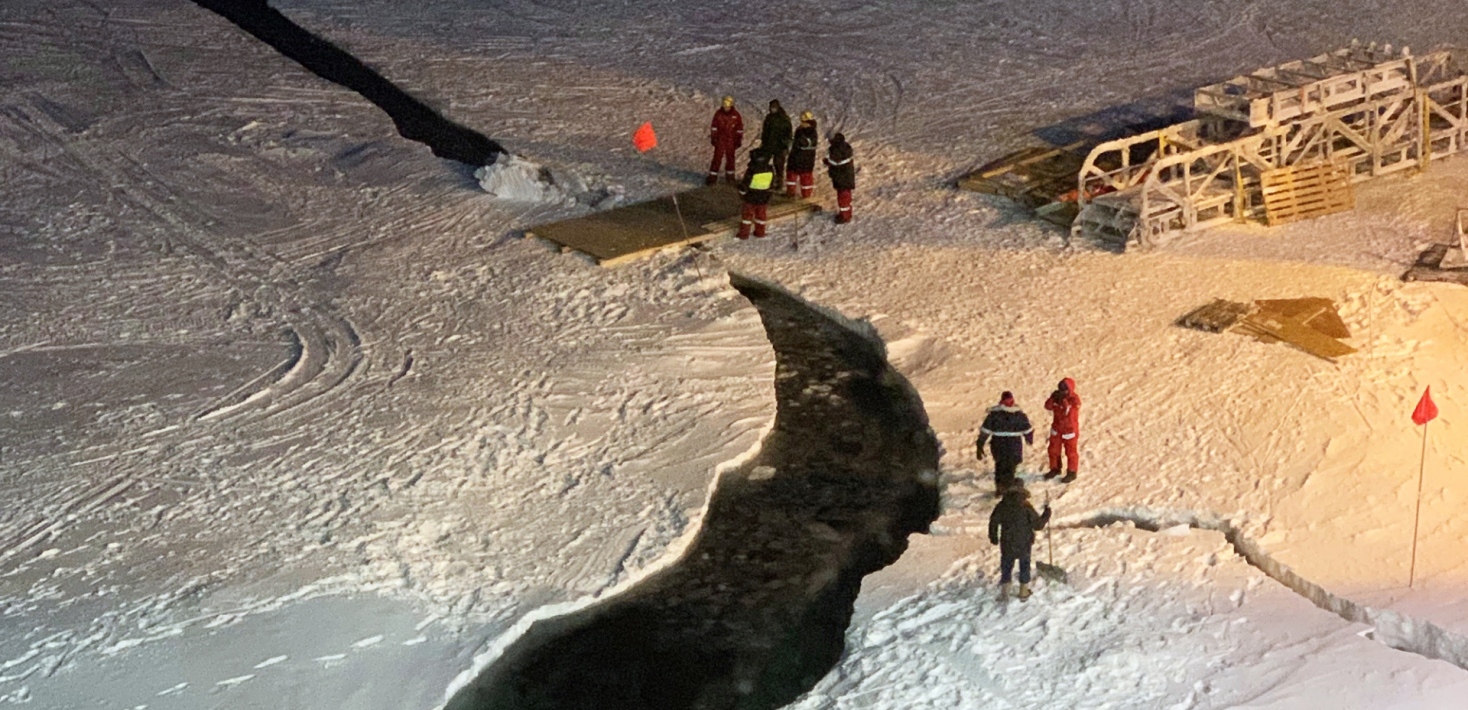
{"x":1070,"y":385}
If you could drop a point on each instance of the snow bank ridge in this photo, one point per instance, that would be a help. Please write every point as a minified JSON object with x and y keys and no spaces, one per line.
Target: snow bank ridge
{"x":1394,"y":629}
{"x":516,"y":179}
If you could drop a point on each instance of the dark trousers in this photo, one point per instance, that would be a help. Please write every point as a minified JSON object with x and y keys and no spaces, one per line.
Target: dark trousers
{"x":1004,"y":468}
{"x":1006,"y":567}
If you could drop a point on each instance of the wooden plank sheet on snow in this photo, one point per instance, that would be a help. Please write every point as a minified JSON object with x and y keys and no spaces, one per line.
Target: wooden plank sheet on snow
{"x":623,"y":234}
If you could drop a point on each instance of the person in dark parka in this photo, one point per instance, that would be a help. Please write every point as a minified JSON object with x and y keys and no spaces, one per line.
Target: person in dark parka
{"x":1003,"y":427}
{"x":1012,"y":527}
{"x":800,"y":169}
{"x":775,"y":138}
{"x":754,"y":192}
{"x":842,"y":170}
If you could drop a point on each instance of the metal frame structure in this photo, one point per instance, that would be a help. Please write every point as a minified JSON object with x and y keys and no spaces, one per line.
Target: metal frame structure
{"x":1368,"y":110}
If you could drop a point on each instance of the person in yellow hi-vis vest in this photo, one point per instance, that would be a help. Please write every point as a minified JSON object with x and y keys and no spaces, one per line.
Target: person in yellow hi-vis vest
{"x":754,"y":189}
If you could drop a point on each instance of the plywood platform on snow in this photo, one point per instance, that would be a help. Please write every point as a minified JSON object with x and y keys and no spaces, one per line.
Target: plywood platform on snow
{"x":1310,"y":324}
{"x":620,"y":235}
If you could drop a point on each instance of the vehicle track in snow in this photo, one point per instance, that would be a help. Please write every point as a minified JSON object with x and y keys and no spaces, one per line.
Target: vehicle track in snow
{"x":326,"y":347}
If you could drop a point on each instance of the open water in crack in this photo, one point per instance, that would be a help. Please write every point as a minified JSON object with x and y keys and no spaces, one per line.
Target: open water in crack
{"x":755,"y":611}
{"x":413,"y":119}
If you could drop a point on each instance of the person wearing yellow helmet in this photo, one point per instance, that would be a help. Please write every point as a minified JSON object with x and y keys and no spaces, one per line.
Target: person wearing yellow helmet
{"x":800,"y":169}
{"x":726,"y":134}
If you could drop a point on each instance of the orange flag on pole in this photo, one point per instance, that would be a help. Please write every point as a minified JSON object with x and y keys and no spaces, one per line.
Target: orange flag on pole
{"x":1426,"y":410}
{"x":645,"y":139}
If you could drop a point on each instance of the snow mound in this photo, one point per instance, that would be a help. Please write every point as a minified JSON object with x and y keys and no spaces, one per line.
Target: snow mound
{"x":517,"y":179}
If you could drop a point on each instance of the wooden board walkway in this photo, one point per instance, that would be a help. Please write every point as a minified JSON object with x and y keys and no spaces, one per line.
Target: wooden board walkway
{"x":634,"y":231}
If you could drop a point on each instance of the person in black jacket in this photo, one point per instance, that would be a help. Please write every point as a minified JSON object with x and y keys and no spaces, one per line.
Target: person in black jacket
{"x":754,"y":191}
{"x":1012,"y":527}
{"x":801,"y":168}
{"x":1003,"y":427}
{"x":843,"y":177}
{"x":774,"y":137}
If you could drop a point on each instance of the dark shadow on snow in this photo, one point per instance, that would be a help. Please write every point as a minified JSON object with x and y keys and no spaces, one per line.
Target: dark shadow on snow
{"x":755,"y":611}
{"x":414,"y":120}
{"x":1148,"y":113}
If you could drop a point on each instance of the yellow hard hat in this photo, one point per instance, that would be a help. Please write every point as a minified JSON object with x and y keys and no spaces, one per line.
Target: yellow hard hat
{"x":728,"y":102}
{"x":807,"y":116}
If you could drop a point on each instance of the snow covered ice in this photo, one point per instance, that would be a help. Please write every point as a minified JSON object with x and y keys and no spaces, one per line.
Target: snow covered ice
{"x":514,"y":178}
{"x":288,"y":420}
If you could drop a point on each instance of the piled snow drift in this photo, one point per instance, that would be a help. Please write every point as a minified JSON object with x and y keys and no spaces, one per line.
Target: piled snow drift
{"x":517,"y":179}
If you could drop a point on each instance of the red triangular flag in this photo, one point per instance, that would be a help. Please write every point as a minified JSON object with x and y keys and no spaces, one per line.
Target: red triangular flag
{"x":1426,"y":411}
{"x":645,"y":139}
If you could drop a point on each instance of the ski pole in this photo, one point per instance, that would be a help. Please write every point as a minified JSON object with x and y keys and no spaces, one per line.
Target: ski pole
{"x":1049,"y":541}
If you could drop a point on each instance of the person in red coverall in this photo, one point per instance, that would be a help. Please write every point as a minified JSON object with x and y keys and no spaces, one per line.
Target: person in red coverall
{"x":1065,"y":429}
{"x":726,"y":134}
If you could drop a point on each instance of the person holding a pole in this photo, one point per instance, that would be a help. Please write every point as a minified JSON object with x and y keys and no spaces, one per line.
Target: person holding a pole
{"x":1012,"y":527}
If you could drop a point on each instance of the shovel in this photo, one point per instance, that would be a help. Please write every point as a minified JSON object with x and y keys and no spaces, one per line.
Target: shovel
{"x":1048,"y":570}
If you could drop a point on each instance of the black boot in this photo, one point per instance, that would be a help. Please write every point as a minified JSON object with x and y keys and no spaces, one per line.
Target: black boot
{"x":1069,"y":476}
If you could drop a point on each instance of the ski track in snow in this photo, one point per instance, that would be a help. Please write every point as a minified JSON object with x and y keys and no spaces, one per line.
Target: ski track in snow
{"x":257,"y":350}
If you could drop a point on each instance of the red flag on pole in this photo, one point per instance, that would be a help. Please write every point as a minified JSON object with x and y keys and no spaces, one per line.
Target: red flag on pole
{"x":1426,"y":410}
{"x":645,"y":139}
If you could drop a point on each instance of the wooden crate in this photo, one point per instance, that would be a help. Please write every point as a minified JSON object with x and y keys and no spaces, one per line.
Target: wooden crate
{"x":1305,"y":192}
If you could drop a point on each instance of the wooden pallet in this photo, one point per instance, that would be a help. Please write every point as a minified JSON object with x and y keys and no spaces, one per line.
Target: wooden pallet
{"x":1296,"y":193}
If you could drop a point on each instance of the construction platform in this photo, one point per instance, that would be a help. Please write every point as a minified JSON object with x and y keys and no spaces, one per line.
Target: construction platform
{"x":1277,"y":145}
{"x":634,"y":231}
